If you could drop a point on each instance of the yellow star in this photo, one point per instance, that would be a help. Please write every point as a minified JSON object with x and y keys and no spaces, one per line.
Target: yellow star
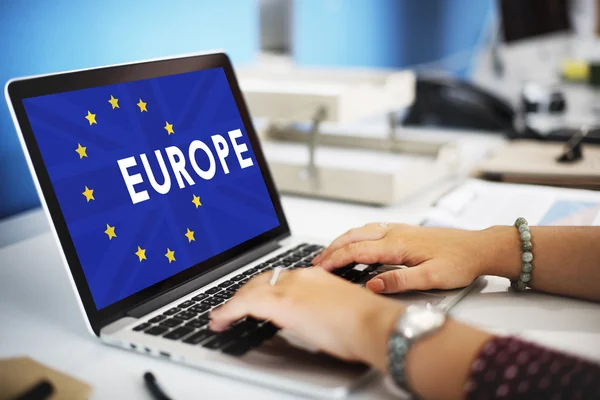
{"x":141,"y":253}
{"x":142,"y":106}
{"x":91,"y":118}
{"x":170,"y":255}
{"x":169,"y":128}
{"x":114,"y":102}
{"x":110,"y":231}
{"x":196,"y":201}
{"x":89,"y":194}
{"x":190,"y":235}
{"x":81,"y":151}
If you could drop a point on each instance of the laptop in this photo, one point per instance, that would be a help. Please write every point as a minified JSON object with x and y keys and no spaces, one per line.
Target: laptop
{"x":162,"y":203}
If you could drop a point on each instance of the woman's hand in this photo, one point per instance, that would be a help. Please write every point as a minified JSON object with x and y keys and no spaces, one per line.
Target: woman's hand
{"x":441,"y":258}
{"x":339,"y":318}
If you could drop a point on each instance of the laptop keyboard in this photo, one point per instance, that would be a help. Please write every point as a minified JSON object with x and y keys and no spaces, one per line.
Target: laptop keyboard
{"x":188,"y":321}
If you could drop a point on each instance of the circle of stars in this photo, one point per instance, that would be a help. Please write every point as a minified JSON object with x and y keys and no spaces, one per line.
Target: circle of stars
{"x":88,"y":193}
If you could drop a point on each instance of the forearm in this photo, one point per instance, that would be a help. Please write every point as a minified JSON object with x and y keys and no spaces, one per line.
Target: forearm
{"x":437,"y":366}
{"x":566,"y":259}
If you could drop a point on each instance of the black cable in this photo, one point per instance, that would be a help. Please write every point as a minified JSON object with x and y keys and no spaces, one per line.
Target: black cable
{"x":154,"y":388}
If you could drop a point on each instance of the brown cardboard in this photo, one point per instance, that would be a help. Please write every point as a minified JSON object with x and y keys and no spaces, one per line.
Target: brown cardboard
{"x":18,"y":375}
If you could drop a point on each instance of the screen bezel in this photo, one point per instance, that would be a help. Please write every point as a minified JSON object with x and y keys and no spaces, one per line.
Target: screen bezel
{"x":70,"y":81}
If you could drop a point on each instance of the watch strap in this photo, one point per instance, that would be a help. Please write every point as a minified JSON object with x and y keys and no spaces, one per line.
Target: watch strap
{"x":398,"y":346}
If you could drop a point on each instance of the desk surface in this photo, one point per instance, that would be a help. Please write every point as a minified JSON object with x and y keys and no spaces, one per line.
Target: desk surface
{"x":42,"y":320}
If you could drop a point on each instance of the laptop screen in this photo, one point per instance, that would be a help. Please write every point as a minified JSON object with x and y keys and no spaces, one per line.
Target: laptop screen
{"x":152,"y":176}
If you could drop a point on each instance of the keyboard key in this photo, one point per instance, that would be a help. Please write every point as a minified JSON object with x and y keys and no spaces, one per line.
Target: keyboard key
{"x":199,"y":308}
{"x":267,"y":331}
{"x":156,"y":330}
{"x":235,"y":288}
{"x":172,"y":311}
{"x":361,"y":267}
{"x":212,"y":301}
{"x":254,"y":338}
{"x":178,"y":333}
{"x":218,"y":300}
{"x":141,"y":327}
{"x":303,"y":264}
{"x":204,"y":317}
{"x":186,"y":304}
{"x":171,"y":322}
{"x":238,"y":348}
{"x":200,"y":297}
{"x":199,"y":337}
{"x":245,"y":326}
{"x":226,"y":284}
{"x":213,"y":290}
{"x":186,"y":315}
{"x":219,"y":340}
{"x":157,"y":319}
{"x":225,"y":294}
{"x":372,"y":267}
{"x":343,"y":270}
{"x":353,"y":275}
{"x":251,"y":271}
{"x":195,"y":324}
{"x":238,"y":277}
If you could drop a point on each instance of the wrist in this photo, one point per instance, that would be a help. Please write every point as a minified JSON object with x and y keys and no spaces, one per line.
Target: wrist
{"x":380,"y":321}
{"x":501,"y":250}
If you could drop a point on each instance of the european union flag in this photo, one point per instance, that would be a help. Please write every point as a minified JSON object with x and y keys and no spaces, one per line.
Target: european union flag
{"x":152,"y":176}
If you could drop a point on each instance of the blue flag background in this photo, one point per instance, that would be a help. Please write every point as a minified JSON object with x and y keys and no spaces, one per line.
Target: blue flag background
{"x":234,"y":208}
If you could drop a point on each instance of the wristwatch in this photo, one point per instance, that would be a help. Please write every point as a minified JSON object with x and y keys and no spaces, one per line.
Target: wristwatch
{"x":417,"y":322}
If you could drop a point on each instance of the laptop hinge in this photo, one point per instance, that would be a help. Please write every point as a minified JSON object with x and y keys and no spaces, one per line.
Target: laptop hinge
{"x":196,"y":283}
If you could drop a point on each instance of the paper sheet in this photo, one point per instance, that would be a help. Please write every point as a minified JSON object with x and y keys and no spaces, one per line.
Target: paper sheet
{"x":478,"y":204}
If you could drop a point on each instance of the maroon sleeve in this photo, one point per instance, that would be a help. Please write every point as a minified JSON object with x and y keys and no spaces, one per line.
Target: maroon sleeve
{"x":510,"y":368}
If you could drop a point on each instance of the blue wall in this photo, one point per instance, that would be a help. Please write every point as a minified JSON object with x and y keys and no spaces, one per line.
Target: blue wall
{"x":386,"y":33}
{"x":54,"y":35}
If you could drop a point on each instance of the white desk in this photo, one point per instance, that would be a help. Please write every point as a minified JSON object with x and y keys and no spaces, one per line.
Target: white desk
{"x":39,"y":317}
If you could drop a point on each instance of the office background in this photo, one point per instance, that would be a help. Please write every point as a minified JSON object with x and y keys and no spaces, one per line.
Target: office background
{"x":38,"y":37}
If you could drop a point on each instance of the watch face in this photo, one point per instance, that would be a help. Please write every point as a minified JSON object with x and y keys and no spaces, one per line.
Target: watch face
{"x":419,"y":320}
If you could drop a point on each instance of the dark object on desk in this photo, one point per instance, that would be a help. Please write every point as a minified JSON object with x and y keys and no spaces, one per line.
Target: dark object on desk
{"x":154,"y":388}
{"x":574,"y":147}
{"x":41,"y":391}
{"x":451,"y":103}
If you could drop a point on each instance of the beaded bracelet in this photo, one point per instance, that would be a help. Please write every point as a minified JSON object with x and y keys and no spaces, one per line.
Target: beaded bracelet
{"x":527,"y":256}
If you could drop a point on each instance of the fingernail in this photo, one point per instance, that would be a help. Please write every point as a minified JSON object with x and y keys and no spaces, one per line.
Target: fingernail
{"x":316,"y":259}
{"x":376,"y":285}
